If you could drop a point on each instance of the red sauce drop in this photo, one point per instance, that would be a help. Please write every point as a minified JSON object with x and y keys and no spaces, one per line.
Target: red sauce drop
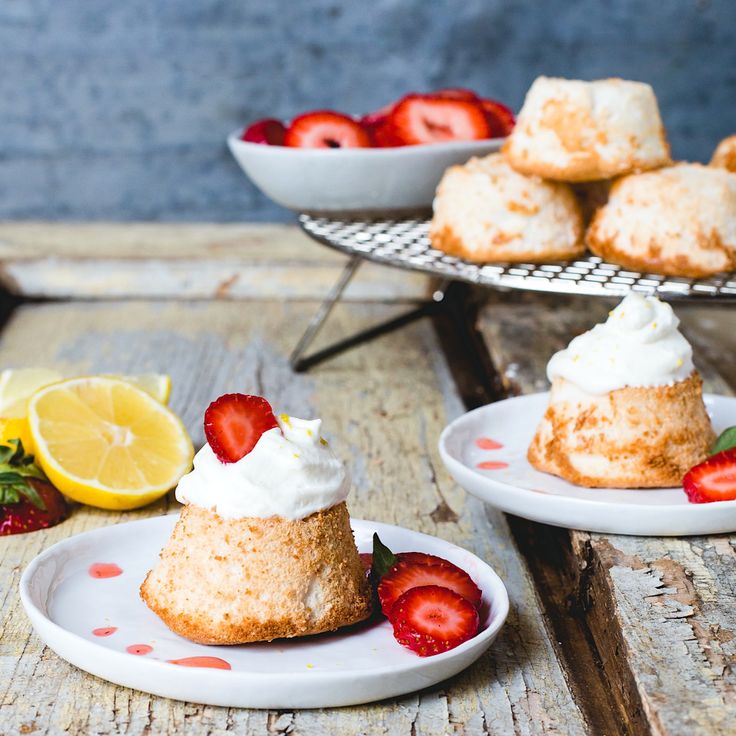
{"x":486,"y":443}
{"x":213,"y":662}
{"x":491,"y":465}
{"x":104,"y":570}
{"x":105,"y":631}
{"x":139,"y":649}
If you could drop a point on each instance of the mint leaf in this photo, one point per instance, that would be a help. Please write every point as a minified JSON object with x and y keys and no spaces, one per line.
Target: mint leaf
{"x":383,"y":559}
{"x":726,"y":441}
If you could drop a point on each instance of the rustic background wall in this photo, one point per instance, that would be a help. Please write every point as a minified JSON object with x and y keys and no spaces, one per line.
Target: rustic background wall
{"x":118,"y":110}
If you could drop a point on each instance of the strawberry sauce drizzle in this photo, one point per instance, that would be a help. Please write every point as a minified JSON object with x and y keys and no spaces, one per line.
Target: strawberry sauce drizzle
{"x":105,"y":631}
{"x":104,"y":570}
{"x":212,"y":662}
{"x":492,"y":465}
{"x":139,"y":649}
{"x":486,"y":443}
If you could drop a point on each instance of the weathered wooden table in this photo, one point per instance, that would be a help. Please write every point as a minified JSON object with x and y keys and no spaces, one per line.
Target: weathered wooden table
{"x":606,"y":634}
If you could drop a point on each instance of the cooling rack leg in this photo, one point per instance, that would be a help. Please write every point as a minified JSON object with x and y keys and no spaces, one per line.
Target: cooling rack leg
{"x":296,"y":359}
{"x":300,"y":363}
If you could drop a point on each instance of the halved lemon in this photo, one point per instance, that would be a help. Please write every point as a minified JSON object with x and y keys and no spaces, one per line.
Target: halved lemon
{"x":106,"y":443}
{"x":156,"y":384}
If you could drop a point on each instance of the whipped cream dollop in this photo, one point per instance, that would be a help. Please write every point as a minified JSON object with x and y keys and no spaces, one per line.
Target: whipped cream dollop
{"x":638,"y":345}
{"x":291,"y":472}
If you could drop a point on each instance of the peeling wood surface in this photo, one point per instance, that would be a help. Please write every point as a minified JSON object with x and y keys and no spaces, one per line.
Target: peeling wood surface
{"x":661,"y":611}
{"x":193,"y":261}
{"x":383,"y":407}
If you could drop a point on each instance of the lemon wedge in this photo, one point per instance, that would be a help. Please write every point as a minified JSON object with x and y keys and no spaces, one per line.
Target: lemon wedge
{"x":156,"y":384}
{"x":17,"y":385}
{"x":107,"y":443}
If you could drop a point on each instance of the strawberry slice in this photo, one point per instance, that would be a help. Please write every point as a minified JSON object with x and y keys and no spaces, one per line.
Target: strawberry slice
{"x":712,"y":480}
{"x":405,"y":575}
{"x":500,"y":118}
{"x":234,"y":423}
{"x":326,"y":129}
{"x":422,"y":558}
{"x":428,"y":119}
{"x":431,"y":619}
{"x":268,"y":131}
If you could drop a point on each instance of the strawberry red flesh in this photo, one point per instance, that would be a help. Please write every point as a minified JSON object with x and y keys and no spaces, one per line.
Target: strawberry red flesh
{"x":712,"y":480}
{"x":456,"y":93}
{"x":268,"y":131}
{"x":431,"y":619}
{"x":500,"y":118}
{"x":24,"y":516}
{"x":234,"y":423}
{"x":423,"y":558}
{"x":427,"y":119}
{"x":326,"y":129}
{"x":405,"y":575}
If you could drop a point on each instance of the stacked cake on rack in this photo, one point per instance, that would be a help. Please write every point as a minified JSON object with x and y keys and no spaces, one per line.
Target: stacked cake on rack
{"x":592,"y":152}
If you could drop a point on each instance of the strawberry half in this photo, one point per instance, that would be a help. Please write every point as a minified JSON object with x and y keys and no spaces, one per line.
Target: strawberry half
{"x":326,"y":129}
{"x":500,"y":118}
{"x":234,"y":423}
{"x":429,"y":119}
{"x":432,"y":619}
{"x":456,"y":93}
{"x":405,"y":575}
{"x":712,"y":480}
{"x":268,"y":131}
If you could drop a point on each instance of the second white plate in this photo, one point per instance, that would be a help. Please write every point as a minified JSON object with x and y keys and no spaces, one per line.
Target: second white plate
{"x":485,"y":451}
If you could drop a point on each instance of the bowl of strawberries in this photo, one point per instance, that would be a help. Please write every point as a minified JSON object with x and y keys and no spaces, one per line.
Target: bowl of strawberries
{"x":388,"y":161}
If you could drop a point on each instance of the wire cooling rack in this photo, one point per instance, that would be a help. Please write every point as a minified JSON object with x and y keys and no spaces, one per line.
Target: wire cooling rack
{"x":405,"y":244}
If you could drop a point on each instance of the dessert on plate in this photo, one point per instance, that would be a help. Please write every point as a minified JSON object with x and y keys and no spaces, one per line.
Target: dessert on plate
{"x":572,"y":130}
{"x":679,"y":221}
{"x":485,"y":211}
{"x":626,"y":407}
{"x":263,"y":548}
{"x":724,"y":157}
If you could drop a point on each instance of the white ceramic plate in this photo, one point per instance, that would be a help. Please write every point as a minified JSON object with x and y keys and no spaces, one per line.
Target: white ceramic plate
{"x":511,"y":484}
{"x":74,"y":612}
{"x":325,"y":180}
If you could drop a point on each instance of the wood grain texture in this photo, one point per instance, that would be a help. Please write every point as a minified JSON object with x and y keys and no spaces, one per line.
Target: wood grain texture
{"x":383,"y":407}
{"x":116,"y":261}
{"x":660,"y":610}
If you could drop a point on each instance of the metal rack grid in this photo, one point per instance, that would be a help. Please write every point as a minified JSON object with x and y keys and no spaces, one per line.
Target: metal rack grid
{"x":405,"y":244}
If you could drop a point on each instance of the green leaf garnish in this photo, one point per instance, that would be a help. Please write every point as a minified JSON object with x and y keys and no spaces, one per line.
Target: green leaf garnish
{"x":726,"y":441}
{"x":15,"y":470}
{"x":383,"y":559}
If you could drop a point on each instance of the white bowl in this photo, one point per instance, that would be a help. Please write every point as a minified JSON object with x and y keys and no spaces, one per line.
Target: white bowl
{"x":352,"y":180}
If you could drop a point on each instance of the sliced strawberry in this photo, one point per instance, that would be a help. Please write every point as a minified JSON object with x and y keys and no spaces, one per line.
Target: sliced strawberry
{"x":422,"y":558}
{"x":406,"y":575}
{"x":326,"y":129}
{"x":38,"y":507}
{"x":268,"y":131}
{"x":500,"y":118}
{"x":427,"y":119}
{"x":456,"y":93}
{"x":366,"y":559}
{"x":712,"y":480}
{"x":431,"y":619}
{"x":234,"y":423}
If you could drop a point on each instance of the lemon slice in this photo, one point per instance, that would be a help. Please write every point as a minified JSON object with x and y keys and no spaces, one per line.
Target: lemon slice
{"x":106,"y":443}
{"x":17,"y":385}
{"x":156,"y":384}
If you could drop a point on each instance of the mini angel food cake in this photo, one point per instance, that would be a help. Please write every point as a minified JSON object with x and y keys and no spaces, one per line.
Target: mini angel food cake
{"x":678,"y":221}
{"x":485,"y":211}
{"x":572,"y":130}
{"x":626,"y":407}
{"x":724,"y":157}
{"x":263,"y":548}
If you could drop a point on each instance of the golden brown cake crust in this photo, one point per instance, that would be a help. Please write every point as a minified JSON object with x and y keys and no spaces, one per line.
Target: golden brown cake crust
{"x":232,"y":581}
{"x":635,"y":437}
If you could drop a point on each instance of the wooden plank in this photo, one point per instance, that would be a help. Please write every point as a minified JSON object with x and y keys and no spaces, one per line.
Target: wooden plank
{"x":192,"y":261}
{"x":383,"y":405}
{"x":660,"y":611}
